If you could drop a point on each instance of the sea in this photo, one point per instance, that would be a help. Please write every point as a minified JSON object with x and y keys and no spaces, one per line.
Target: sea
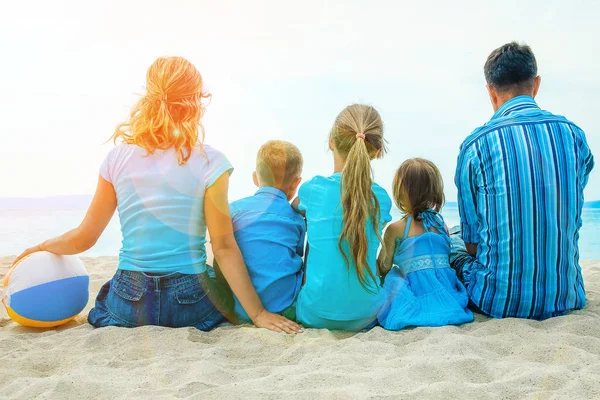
{"x":22,"y":228}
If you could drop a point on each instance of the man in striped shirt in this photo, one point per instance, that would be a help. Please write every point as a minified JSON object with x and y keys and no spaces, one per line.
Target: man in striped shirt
{"x":520,"y":181}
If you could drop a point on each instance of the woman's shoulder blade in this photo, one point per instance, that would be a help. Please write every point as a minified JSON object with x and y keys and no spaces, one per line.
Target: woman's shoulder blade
{"x":209,"y":154}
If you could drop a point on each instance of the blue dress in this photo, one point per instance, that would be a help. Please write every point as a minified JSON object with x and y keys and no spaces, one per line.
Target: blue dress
{"x":422,"y":288}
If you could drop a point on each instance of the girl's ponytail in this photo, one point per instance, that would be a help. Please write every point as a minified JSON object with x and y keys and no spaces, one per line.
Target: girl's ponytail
{"x":358,"y":134}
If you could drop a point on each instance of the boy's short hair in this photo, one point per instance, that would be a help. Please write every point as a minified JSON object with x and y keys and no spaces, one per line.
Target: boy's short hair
{"x":277,"y":163}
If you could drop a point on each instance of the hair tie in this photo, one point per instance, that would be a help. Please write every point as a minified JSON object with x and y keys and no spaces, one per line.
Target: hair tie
{"x":164,"y":98}
{"x":360,"y":135}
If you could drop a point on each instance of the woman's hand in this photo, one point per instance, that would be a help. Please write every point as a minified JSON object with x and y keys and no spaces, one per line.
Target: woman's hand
{"x":27,"y":252}
{"x":277,"y":323}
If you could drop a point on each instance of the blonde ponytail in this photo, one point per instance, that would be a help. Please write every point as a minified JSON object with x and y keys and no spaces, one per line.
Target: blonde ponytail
{"x":358,"y":135}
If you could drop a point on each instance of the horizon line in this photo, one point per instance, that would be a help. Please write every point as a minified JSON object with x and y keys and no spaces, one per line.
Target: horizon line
{"x":90,"y":196}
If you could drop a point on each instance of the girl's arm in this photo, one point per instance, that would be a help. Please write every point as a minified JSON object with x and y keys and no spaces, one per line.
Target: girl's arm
{"x":386,"y":255}
{"x":87,"y":233}
{"x":231,"y":263}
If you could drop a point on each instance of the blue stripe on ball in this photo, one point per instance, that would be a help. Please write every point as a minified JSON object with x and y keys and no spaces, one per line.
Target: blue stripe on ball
{"x":52,"y":301}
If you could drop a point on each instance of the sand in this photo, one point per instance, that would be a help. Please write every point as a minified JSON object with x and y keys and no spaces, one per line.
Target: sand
{"x":487,"y":359}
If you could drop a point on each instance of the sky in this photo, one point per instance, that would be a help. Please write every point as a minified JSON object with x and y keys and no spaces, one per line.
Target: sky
{"x":71,"y":71}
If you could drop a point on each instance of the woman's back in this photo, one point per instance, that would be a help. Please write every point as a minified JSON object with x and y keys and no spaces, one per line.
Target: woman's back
{"x":160,"y":205}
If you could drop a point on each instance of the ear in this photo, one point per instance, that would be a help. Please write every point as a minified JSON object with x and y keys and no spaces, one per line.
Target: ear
{"x":293,"y":188}
{"x":493,"y":96}
{"x":255,"y":179}
{"x":536,"y":85}
{"x":296,"y":183}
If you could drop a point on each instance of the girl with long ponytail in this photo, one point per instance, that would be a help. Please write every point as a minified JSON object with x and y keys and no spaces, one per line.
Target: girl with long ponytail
{"x":346,"y":213}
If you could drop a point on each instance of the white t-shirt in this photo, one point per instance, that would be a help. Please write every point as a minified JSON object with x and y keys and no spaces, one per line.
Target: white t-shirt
{"x":161,"y":206}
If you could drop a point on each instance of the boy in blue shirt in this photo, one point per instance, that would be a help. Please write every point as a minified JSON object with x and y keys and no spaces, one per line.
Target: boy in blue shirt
{"x":269,"y":233}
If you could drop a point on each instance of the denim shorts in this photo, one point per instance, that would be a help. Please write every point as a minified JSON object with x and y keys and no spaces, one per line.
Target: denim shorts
{"x":133,"y":298}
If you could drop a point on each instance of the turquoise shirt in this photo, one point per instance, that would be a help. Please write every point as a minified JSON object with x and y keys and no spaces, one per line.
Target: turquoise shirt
{"x":161,"y":206}
{"x":332,"y":290}
{"x":270,"y":235}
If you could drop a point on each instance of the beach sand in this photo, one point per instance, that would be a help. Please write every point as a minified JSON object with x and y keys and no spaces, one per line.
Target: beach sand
{"x":487,"y":359}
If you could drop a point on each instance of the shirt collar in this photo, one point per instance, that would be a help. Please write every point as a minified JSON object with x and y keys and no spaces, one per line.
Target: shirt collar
{"x":272,"y":191}
{"x":516,"y":104}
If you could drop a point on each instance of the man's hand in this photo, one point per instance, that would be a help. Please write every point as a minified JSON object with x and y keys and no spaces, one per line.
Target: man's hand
{"x":471,"y":248}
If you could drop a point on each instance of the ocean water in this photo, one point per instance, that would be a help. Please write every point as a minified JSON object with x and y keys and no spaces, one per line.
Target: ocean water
{"x":20,"y":229}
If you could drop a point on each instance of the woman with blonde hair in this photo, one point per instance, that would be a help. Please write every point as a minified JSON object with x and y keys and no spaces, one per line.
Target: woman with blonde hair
{"x":168,"y":188}
{"x":346,"y":213}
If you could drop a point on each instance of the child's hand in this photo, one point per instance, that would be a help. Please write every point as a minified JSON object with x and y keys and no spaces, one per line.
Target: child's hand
{"x":277,"y":323}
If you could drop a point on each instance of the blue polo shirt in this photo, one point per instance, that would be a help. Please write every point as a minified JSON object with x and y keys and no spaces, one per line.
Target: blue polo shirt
{"x":270,"y":235}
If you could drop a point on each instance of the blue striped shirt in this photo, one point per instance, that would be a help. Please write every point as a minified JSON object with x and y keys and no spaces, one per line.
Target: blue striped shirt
{"x":520,"y":181}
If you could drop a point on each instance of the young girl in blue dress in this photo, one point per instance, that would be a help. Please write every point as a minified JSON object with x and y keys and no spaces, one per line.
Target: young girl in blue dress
{"x":422,"y":288}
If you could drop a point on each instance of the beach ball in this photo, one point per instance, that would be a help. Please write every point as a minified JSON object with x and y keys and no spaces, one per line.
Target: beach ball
{"x":44,"y":290}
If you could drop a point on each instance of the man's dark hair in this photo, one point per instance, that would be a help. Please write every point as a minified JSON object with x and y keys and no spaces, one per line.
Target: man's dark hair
{"x":511,"y":67}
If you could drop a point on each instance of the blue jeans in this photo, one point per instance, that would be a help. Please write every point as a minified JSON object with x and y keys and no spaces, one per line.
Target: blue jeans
{"x":134,"y":298}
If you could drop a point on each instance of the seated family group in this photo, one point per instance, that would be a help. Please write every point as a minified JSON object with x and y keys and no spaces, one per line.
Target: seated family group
{"x":325,"y":253}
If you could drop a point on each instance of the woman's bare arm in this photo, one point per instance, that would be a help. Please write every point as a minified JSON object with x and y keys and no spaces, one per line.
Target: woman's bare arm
{"x":87,"y":233}
{"x":230,"y":261}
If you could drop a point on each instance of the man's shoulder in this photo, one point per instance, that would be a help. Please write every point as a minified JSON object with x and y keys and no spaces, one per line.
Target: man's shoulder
{"x":541,"y":117}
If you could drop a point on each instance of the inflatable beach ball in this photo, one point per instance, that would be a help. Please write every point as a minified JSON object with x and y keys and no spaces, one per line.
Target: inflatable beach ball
{"x":44,"y":290}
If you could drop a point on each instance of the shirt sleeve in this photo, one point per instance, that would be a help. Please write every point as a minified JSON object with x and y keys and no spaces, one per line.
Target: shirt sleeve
{"x":588,"y":160}
{"x":385,"y":205}
{"x":465,"y":179}
{"x":304,"y":195}
{"x":107,"y":166}
{"x":218,"y":164}
{"x":233,"y":210}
